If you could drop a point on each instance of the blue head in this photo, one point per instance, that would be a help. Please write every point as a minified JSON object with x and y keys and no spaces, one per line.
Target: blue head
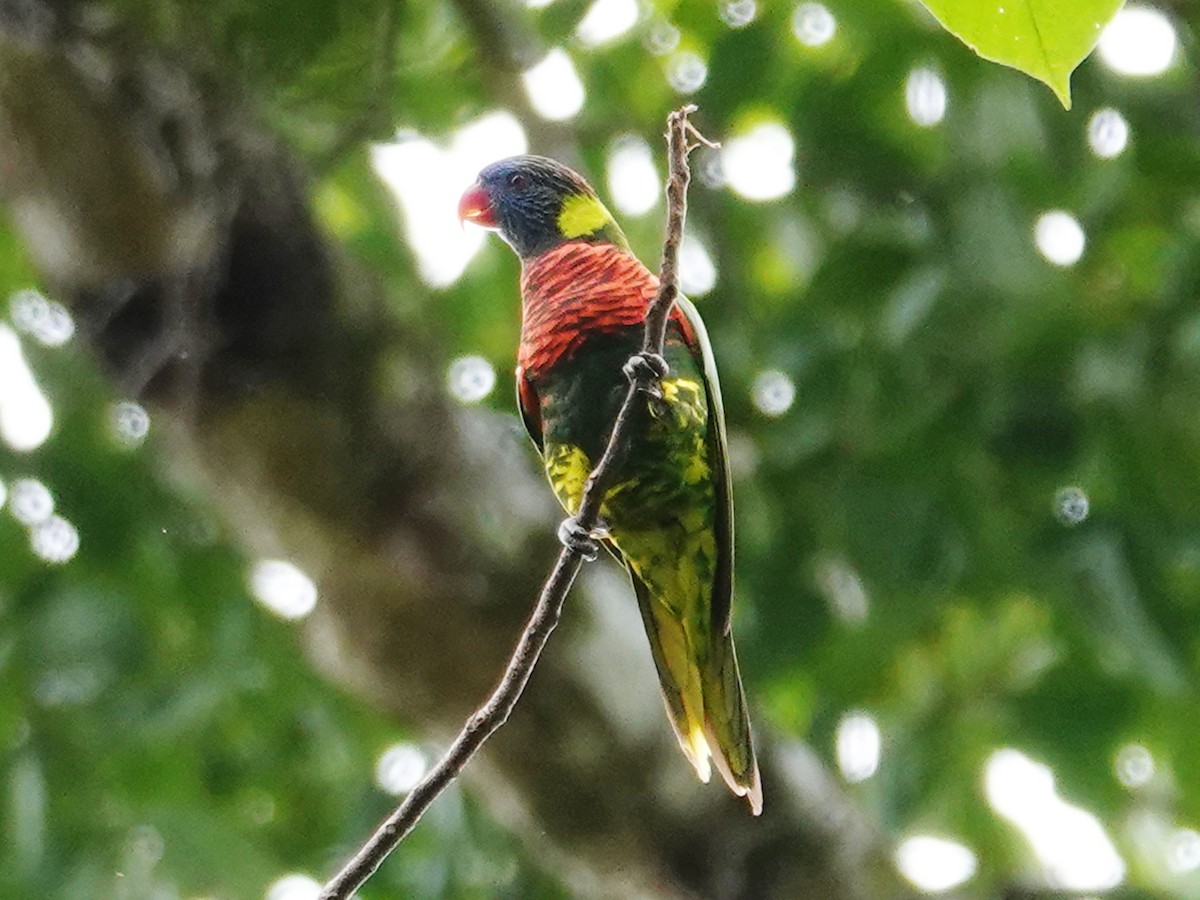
{"x":536,"y":204}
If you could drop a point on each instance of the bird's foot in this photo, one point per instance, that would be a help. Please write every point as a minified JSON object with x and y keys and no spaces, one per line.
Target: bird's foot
{"x":579,"y":540}
{"x":645,"y":371}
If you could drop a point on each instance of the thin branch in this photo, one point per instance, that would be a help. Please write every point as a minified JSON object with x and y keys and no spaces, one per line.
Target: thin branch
{"x":681,"y":138}
{"x":679,"y":145}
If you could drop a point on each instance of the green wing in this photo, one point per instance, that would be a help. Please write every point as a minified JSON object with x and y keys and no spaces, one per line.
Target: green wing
{"x":718,"y":444}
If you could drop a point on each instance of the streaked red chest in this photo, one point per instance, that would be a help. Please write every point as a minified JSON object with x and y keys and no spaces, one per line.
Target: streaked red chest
{"x":575,"y":291}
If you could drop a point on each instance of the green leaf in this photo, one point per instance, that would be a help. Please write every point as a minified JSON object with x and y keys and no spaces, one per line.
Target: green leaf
{"x":1042,"y":38}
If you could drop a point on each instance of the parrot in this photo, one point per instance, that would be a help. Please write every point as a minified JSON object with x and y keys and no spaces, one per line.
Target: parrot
{"x":669,"y":516}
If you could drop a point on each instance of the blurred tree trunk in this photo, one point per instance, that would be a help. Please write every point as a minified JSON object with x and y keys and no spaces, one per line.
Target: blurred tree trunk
{"x":179,"y":234}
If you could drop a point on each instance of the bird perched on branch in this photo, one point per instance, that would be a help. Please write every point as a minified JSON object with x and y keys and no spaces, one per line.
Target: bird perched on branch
{"x":669,"y":516}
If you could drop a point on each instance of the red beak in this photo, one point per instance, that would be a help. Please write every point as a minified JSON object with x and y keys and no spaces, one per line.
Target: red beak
{"x":476,"y":206}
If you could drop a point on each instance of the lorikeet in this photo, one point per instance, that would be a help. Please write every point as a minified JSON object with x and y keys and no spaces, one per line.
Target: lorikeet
{"x":669,"y":518}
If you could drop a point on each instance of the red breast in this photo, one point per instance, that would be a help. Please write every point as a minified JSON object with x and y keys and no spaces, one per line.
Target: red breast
{"x":573,"y":291}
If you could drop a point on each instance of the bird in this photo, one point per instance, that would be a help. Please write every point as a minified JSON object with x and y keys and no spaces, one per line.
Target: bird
{"x":669,"y":516}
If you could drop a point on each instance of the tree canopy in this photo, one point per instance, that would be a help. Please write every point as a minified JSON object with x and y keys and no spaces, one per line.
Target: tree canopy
{"x":247,"y":353}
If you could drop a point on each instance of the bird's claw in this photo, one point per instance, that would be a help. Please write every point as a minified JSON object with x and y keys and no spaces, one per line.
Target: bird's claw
{"x":646,"y":370}
{"x":579,"y":540}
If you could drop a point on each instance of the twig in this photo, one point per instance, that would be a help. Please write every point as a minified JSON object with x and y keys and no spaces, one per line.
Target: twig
{"x":682,"y":138}
{"x":680,"y":135}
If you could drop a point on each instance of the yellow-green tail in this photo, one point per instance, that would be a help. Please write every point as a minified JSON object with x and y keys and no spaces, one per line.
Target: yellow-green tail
{"x":703,"y":692}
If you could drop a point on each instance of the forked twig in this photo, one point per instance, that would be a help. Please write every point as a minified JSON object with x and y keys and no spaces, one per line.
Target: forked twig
{"x":682,"y":138}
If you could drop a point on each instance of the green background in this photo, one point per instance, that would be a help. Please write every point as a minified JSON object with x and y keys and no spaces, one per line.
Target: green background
{"x":156,"y":723}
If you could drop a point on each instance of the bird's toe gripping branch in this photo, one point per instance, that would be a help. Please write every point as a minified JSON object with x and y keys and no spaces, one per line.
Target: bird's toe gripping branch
{"x":645,"y":370}
{"x":579,"y":540}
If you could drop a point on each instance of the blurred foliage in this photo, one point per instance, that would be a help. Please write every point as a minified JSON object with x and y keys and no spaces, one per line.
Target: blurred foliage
{"x":949,"y":384}
{"x":162,"y":736}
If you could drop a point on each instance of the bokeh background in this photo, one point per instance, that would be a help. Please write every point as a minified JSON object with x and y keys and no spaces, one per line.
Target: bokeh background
{"x":268,"y":523}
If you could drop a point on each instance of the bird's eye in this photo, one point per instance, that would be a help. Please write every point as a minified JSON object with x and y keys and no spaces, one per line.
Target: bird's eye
{"x":516,"y":181}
